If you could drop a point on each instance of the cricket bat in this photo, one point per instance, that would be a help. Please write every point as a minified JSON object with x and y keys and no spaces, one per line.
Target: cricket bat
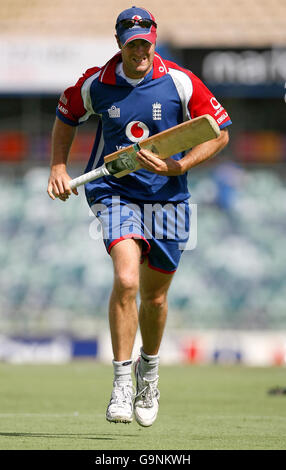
{"x":164,"y":144}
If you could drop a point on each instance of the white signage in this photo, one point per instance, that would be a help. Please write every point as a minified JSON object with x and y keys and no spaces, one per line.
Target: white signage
{"x":40,"y":65}
{"x":248,"y":67}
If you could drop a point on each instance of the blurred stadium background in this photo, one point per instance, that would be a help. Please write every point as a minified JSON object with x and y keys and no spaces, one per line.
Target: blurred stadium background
{"x":228,"y":299}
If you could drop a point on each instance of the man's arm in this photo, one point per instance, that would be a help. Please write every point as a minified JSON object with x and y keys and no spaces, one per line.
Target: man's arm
{"x":62,"y":138}
{"x":197,"y":155}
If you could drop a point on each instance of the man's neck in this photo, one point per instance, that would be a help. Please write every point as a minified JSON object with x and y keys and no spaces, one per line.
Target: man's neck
{"x":132,"y":80}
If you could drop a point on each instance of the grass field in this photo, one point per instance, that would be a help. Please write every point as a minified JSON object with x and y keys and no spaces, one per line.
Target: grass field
{"x":202,"y":407}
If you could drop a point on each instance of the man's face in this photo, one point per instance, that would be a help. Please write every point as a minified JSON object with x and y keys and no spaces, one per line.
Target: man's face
{"x":137,"y":57}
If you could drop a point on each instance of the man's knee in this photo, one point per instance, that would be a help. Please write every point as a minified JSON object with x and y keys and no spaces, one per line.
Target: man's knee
{"x":154,"y":303}
{"x":126,"y":262}
{"x":126,"y":284}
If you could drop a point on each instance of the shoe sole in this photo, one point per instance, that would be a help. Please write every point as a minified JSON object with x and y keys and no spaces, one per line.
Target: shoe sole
{"x":119,"y":420}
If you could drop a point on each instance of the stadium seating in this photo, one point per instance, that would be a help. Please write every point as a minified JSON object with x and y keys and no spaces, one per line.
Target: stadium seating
{"x":55,"y":271}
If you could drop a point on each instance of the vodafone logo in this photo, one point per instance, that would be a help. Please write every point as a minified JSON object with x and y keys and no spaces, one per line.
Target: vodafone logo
{"x":215,"y":103}
{"x":136,"y":131}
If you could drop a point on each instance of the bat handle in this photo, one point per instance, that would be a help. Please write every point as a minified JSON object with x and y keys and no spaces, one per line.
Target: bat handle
{"x":90,"y":176}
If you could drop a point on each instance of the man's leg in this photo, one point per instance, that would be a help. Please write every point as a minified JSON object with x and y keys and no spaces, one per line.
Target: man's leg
{"x":123,"y":320}
{"x":154,"y":287}
{"x":123,"y":313}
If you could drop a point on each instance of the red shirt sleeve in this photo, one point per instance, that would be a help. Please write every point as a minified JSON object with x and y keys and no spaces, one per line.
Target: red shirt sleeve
{"x":203,"y":102}
{"x":72,"y":107}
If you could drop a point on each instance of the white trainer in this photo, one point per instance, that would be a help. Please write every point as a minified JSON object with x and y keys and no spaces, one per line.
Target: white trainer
{"x":146,"y":403}
{"x":120,"y":407}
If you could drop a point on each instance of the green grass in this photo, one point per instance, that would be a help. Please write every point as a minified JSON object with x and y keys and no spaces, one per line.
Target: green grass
{"x":202,"y":407}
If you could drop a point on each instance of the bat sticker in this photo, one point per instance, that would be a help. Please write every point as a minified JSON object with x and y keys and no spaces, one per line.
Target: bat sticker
{"x":126,"y":161}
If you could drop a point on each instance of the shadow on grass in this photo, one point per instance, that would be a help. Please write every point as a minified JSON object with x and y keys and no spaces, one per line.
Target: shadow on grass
{"x":103,"y":437}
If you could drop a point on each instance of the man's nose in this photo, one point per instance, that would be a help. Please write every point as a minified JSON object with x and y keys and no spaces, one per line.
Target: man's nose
{"x":140,"y":49}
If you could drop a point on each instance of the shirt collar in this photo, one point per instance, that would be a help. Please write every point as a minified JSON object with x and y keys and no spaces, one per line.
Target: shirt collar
{"x":108,"y":76}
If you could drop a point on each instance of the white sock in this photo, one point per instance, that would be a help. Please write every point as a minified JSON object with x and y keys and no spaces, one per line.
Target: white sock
{"x":148,"y":366}
{"x":122,"y":370}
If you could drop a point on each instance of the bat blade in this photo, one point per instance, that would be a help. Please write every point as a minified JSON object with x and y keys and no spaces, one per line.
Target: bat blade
{"x":167,"y":143}
{"x":164,"y":144}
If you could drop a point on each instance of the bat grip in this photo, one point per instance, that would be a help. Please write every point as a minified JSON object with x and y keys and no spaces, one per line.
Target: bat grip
{"x":90,"y":176}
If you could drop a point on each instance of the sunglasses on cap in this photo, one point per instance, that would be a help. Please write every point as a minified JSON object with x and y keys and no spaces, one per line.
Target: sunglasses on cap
{"x":143,"y":23}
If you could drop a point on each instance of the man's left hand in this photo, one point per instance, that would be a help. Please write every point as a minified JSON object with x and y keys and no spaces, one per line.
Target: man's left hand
{"x":150,"y":161}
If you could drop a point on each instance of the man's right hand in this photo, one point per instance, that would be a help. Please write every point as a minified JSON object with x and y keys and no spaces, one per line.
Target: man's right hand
{"x":58,"y":185}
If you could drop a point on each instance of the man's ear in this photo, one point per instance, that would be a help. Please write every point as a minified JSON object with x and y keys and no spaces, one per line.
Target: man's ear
{"x":118,"y":42}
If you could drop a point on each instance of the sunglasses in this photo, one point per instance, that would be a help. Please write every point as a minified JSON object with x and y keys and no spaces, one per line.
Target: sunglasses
{"x":143,"y":23}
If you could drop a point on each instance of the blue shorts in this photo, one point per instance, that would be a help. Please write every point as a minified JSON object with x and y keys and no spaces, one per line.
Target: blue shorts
{"x":162,"y":227}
